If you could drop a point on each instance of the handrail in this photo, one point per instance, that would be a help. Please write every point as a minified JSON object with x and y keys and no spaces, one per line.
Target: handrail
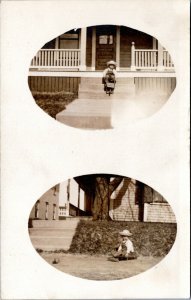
{"x":50,"y":58}
{"x":143,"y":59}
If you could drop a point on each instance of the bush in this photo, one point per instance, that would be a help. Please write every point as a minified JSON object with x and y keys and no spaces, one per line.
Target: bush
{"x":53,"y":103}
{"x":100,"y":237}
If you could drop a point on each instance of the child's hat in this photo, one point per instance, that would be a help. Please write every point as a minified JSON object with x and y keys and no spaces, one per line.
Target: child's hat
{"x":111,"y":62}
{"x":125,"y":233}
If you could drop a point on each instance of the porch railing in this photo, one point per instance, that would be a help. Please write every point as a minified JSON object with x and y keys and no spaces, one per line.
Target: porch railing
{"x":50,"y":58}
{"x":144,"y":59}
{"x":141,"y":59}
{"x":167,"y":61}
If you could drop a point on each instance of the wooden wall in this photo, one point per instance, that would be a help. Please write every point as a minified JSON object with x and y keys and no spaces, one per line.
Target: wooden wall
{"x":164,"y":85}
{"x":51,"y":197}
{"x":53,"y":84}
{"x":70,"y":84}
{"x":159,"y":212}
{"x":124,"y":206}
{"x":89,"y":47}
{"x":127,"y":36}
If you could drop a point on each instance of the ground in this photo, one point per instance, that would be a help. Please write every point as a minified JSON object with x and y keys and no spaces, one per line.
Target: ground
{"x":97,"y":267}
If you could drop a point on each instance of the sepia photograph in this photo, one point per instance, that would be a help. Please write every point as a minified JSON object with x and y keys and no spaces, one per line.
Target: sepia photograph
{"x":95,"y":149}
{"x":99,"y":76}
{"x":102,"y":227}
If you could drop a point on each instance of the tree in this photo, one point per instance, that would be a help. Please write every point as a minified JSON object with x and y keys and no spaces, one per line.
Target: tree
{"x":100,"y":187}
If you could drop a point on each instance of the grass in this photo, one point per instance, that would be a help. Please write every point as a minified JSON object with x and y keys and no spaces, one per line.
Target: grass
{"x":53,"y":103}
{"x":100,"y":237}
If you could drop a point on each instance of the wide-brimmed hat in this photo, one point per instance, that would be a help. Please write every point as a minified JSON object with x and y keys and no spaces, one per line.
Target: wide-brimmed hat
{"x":125,"y":233}
{"x":111,"y":62}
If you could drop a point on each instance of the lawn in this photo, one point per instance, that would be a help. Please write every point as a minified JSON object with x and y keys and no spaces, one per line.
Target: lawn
{"x":94,"y":240}
{"x":53,"y":103}
{"x":97,"y":267}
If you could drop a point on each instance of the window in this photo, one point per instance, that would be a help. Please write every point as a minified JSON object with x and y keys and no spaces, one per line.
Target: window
{"x":37,"y":210}
{"x":46,"y":211}
{"x":54,"y":211}
{"x":106,"y":39}
{"x":69,"y":40}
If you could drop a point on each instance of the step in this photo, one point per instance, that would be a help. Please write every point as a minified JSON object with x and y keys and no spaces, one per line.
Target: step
{"x":50,"y":240}
{"x":51,"y":244}
{"x":100,"y":90}
{"x":100,"y":87}
{"x":53,"y":223}
{"x":103,"y":95}
{"x":86,"y":122}
{"x":97,"y":80}
{"x":89,"y":107}
{"x":51,"y":232}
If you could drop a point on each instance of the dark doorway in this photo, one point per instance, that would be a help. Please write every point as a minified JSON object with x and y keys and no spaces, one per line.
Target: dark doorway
{"x":105,"y":45}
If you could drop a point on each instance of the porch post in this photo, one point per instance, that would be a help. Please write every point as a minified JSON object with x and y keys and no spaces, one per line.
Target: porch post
{"x":160,"y":58}
{"x":93,"y":48}
{"x":154,"y":43}
{"x":145,"y":216}
{"x":118,"y":47}
{"x":78,"y":212}
{"x":83,"y":39}
{"x":57,"y":43}
{"x":68,"y":199}
{"x":133,"y":68}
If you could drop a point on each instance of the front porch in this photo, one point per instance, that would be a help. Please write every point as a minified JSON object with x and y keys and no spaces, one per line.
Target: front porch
{"x":70,"y":60}
{"x":88,"y":50}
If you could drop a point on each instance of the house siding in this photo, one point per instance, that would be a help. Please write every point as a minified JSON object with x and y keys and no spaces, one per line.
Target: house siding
{"x":123,"y":198}
{"x":127,"y":36}
{"x":50,"y":197}
{"x":126,"y":207}
{"x":53,"y":84}
{"x":163,"y":85}
{"x":89,"y":47}
{"x":159,"y":212}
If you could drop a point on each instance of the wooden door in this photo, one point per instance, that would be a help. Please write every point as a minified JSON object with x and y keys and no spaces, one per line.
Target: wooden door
{"x":105,"y":45}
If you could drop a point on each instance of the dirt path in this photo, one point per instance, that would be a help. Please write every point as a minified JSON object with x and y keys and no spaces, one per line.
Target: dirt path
{"x":98,"y":267}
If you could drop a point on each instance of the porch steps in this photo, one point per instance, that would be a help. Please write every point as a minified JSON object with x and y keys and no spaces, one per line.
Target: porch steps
{"x":87,"y":114}
{"x":53,"y":235}
{"x":92,"y":88}
{"x":119,"y":87}
{"x":98,"y":80}
{"x":93,"y":108}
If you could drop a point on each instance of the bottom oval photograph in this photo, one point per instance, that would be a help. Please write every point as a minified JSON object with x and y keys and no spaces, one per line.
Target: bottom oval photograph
{"x":102,"y":227}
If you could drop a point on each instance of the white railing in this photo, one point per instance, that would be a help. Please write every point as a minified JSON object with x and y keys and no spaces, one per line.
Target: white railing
{"x":144,"y":59}
{"x":167,"y":61}
{"x":62,"y":211}
{"x":50,"y":58}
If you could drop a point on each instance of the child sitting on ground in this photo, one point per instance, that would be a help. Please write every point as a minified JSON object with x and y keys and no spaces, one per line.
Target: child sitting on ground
{"x":125,"y":249}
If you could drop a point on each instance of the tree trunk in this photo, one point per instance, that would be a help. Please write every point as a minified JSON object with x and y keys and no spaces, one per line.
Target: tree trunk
{"x":103,"y":190}
{"x":99,"y":188}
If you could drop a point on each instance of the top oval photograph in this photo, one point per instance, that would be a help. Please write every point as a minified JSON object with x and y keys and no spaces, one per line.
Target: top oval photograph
{"x":101,"y":77}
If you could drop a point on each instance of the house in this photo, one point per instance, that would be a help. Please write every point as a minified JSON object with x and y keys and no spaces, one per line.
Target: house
{"x":46,"y":207}
{"x":83,"y":52}
{"x":71,"y":200}
{"x":131,"y":201}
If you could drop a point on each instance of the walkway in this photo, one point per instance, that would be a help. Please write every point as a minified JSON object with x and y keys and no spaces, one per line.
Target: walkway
{"x":53,"y":235}
{"x":95,"y":110}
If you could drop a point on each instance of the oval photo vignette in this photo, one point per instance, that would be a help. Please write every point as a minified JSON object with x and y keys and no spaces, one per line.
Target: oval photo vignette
{"x":102,"y":227}
{"x":100,"y":77}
